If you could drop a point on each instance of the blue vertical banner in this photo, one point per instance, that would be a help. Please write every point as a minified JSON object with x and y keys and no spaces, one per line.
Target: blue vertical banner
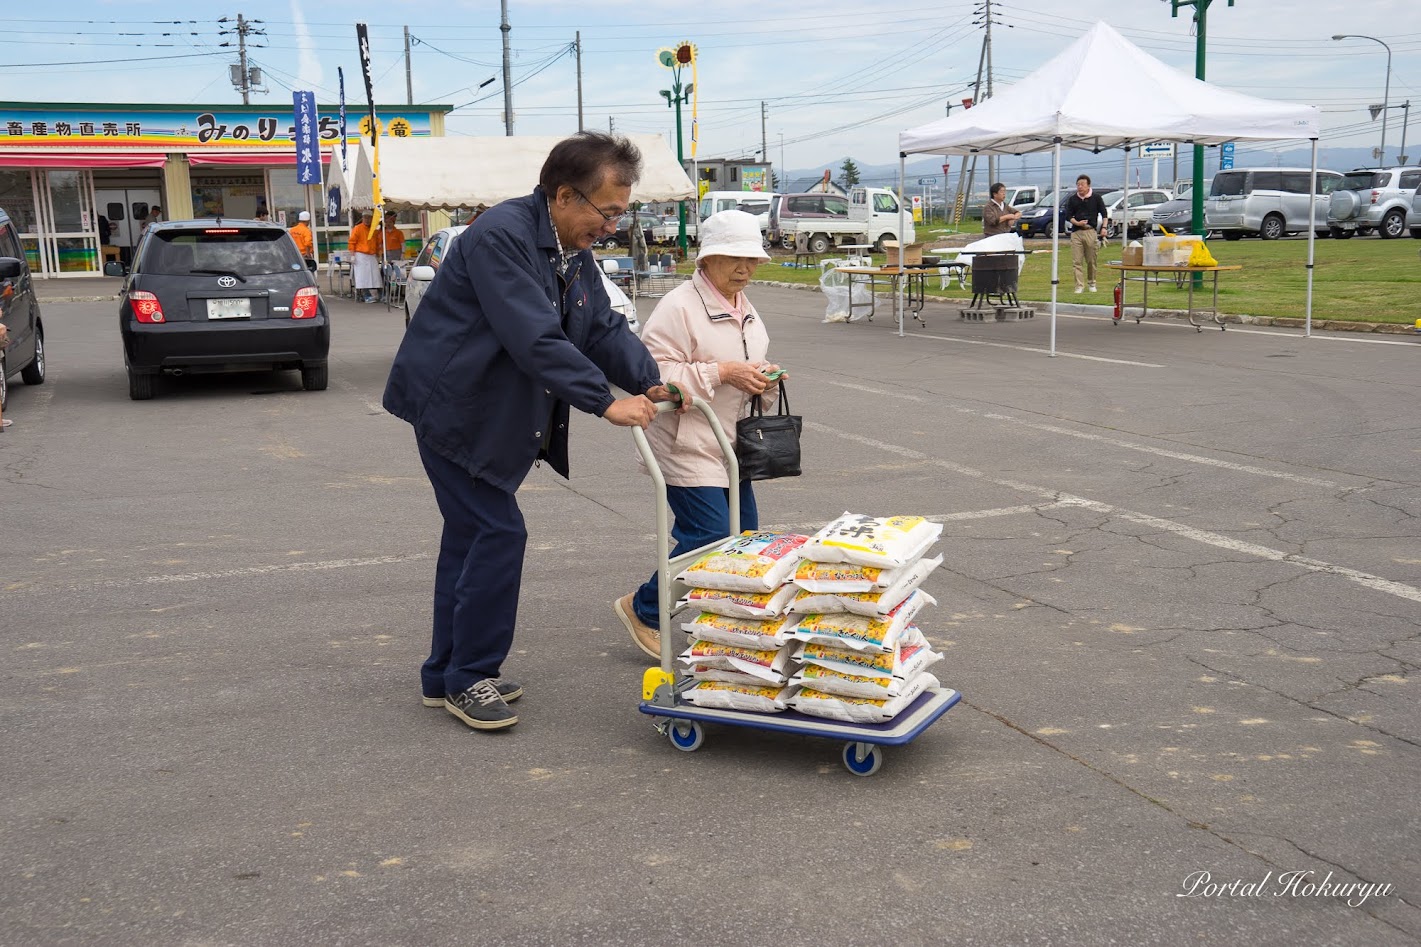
{"x":308,"y":148}
{"x":1226,"y":156}
{"x":340,"y":74}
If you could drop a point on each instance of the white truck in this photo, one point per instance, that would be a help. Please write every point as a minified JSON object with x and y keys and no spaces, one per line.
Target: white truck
{"x":869,"y":215}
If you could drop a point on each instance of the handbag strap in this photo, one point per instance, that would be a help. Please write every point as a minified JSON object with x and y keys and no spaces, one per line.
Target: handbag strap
{"x":757,"y":406}
{"x":784,"y":398}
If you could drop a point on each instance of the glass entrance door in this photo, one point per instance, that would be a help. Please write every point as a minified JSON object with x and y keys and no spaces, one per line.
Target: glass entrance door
{"x":69,"y":243}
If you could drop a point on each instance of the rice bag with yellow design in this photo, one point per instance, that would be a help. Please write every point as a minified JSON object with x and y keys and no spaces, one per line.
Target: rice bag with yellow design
{"x":705,"y":672}
{"x":910,"y":657}
{"x":817,"y":703}
{"x":732,"y":604}
{"x":766,"y":665}
{"x":750,"y":562}
{"x":860,"y":632}
{"x":743,"y":632}
{"x":867,"y":604}
{"x":888,"y":542}
{"x":894,"y":584}
{"x":765,"y":700}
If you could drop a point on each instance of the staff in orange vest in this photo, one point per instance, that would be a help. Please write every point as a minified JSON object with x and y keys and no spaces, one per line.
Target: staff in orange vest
{"x":365,"y":268}
{"x":305,"y":243}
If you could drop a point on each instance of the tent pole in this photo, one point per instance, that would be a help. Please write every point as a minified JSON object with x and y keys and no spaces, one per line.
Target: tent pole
{"x":1312,"y":237}
{"x":902,"y":244}
{"x":1125,"y":201}
{"x":1055,"y":235}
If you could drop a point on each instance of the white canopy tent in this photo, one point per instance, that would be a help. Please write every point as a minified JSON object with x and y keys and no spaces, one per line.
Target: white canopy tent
{"x":445,"y":173}
{"x":1104,"y":92}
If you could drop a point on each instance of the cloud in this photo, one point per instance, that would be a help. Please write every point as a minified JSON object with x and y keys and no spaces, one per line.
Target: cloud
{"x":309,"y":68}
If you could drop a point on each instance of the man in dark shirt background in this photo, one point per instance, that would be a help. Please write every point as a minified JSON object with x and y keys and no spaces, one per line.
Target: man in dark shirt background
{"x":1085,"y":217}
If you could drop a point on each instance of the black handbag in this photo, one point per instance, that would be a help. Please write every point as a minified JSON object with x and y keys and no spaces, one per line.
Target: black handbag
{"x":767,"y":445}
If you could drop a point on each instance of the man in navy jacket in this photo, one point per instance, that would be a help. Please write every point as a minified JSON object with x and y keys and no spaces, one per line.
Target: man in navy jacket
{"x":515,"y":328}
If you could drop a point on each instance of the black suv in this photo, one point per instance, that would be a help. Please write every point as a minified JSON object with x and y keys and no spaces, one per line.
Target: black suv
{"x":19,"y":311}
{"x":622,"y":239}
{"x":217,"y":296}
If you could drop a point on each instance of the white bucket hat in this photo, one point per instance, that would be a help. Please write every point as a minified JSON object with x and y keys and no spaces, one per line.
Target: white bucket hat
{"x":731,"y":233}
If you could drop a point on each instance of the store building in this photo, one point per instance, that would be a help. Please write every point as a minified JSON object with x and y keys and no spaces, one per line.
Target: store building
{"x":80,"y":179}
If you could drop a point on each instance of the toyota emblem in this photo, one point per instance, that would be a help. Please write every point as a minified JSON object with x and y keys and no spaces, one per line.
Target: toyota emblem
{"x":226,"y":282}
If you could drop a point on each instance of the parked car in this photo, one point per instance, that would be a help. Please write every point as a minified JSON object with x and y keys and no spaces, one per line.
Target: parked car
{"x":1267,"y":202}
{"x":787,"y":210}
{"x":669,"y":229}
{"x":436,"y":248}
{"x":752,"y":202}
{"x":1142,"y":204}
{"x":1036,"y":218}
{"x":1018,"y":197}
{"x":19,"y":311}
{"x":1177,"y":216}
{"x":622,"y":238}
{"x":1374,"y":199}
{"x":221,"y":295}
{"x":1413,"y":218}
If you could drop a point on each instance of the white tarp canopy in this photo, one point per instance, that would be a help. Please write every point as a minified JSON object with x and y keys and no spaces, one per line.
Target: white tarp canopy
{"x":1103,"y":92}
{"x":445,"y":173}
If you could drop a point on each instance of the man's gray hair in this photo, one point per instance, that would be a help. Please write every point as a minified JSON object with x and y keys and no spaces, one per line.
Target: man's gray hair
{"x":588,"y":159}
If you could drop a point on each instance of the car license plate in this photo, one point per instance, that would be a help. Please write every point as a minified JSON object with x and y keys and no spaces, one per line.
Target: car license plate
{"x":1025,"y":227}
{"x":229,"y":308}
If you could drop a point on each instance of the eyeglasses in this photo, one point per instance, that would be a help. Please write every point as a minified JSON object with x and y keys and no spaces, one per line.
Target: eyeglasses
{"x":605,"y":216}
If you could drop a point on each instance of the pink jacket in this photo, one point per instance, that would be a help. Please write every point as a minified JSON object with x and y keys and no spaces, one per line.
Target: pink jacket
{"x":688,"y":333}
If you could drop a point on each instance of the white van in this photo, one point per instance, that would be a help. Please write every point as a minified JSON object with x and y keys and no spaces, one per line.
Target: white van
{"x":751,"y":202}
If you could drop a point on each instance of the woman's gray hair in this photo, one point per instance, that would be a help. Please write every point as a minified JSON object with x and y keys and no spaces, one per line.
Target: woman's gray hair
{"x":587,"y":159}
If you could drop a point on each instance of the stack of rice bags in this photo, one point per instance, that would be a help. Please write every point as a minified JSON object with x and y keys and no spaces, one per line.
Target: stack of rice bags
{"x":863,"y":659}
{"x":741,"y":657}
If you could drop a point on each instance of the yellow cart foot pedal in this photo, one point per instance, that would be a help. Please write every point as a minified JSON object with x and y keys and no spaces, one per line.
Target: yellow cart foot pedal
{"x":653,"y":679}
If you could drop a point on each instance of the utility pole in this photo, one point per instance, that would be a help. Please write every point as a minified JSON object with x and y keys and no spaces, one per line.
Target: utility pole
{"x":1405,"y":120}
{"x":611,"y":125}
{"x":243,"y":76}
{"x":409,"y":76}
{"x":1201,"y":18}
{"x":508,"y":74}
{"x":764,"y":142}
{"x":987,"y":41}
{"x":579,"y":79}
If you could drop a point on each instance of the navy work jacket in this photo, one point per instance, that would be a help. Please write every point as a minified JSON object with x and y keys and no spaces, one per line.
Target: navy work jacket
{"x":502,"y":344}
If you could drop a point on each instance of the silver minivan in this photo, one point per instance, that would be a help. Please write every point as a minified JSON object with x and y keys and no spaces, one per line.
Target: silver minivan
{"x":1268,"y":202}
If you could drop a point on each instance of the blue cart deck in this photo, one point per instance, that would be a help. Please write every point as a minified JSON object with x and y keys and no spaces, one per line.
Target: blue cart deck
{"x":913,"y":720}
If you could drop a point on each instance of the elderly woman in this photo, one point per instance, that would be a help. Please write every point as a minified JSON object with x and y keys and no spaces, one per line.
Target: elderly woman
{"x":708,"y":341}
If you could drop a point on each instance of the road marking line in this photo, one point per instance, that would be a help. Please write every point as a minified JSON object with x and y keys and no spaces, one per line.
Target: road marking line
{"x":1286,"y":332}
{"x":347,"y":386}
{"x":1160,"y":451}
{"x":1366,"y":579}
{"x":1032,"y":348}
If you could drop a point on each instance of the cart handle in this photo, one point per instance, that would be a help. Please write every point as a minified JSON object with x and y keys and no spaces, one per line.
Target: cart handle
{"x":663,"y":528}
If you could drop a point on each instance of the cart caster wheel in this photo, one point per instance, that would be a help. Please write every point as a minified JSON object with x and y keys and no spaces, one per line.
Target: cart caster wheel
{"x":862,"y":759}
{"x":686,"y":737}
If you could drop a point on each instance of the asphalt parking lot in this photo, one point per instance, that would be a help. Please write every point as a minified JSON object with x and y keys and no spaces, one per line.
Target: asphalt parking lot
{"x":1181,"y":598}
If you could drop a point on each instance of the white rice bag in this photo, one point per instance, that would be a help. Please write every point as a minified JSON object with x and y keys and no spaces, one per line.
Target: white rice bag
{"x":765,"y":700}
{"x":846,"y":577}
{"x":765,"y":635}
{"x":905,"y":662}
{"x":731,"y":604}
{"x":845,"y":630}
{"x":889,"y":541}
{"x":771,"y":667}
{"x":704,"y":672}
{"x":867,"y":604}
{"x":817,"y":703}
{"x":751,"y":562}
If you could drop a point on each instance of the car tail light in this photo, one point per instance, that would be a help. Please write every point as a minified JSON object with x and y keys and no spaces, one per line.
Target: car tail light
{"x":1376,"y":196}
{"x":146,"y":307}
{"x":306,"y":303}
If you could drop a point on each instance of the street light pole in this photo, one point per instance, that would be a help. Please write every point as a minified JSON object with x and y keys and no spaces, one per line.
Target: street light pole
{"x":674,"y":59}
{"x":1386,"y":93}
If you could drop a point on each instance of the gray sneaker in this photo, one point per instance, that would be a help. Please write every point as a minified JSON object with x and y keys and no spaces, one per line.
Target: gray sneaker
{"x":508,"y":690}
{"x":481,"y":706}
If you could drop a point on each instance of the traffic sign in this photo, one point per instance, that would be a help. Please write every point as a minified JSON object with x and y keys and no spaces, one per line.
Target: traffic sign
{"x":1157,"y":149}
{"x":927,"y":180}
{"x":1226,"y":156}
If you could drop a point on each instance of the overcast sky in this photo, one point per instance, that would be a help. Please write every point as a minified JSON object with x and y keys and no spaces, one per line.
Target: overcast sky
{"x":837,"y":77}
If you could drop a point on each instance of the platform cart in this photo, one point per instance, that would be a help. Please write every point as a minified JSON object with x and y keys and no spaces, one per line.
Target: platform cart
{"x":683,"y":722}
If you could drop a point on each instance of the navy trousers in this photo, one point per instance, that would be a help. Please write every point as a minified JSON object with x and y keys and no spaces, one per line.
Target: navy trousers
{"x":476,"y":579}
{"x":702,"y":516}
